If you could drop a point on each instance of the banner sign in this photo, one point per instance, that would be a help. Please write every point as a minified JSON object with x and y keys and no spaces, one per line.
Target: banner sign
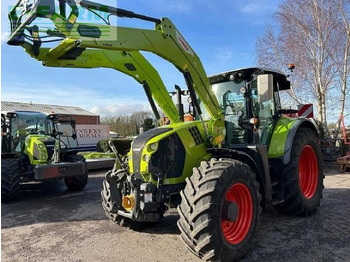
{"x":90,"y":135}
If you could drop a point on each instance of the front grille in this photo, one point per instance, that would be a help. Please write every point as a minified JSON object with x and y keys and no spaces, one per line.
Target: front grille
{"x":196,"y":135}
{"x":50,"y":147}
{"x":139,"y":143}
{"x":36,"y":153}
{"x":169,"y":160}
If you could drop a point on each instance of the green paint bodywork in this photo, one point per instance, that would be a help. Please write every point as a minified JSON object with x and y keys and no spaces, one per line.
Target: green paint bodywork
{"x":36,"y":141}
{"x":119,"y":45}
{"x":194,"y":153}
{"x":95,"y":155}
{"x":279,"y":137}
{"x":143,"y":71}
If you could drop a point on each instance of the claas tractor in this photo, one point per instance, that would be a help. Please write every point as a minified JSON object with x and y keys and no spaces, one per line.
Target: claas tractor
{"x":238,"y":155}
{"x":38,"y":147}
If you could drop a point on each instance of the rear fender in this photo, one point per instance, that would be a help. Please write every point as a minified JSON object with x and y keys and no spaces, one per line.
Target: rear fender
{"x":299,"y":123}
{"x":283,"y":136}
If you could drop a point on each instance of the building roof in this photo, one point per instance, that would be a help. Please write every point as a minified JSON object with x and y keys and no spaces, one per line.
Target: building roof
{"x":46,"y":109}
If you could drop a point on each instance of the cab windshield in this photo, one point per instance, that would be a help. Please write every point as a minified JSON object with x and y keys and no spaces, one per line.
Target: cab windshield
{"x":230,"y":97}
{"x":232,"y":101}
{"x":25,"y":123}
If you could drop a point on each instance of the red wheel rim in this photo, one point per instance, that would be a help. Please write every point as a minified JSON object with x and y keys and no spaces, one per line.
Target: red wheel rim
{"x":308,"y":172}
{"x":235,"y":232}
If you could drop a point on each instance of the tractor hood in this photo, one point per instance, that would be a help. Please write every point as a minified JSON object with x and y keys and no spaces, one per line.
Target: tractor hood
{"x":168,"y":152}
{"x":40,"y":148}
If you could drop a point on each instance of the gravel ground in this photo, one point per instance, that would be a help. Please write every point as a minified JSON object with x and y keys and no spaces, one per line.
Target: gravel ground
{"x":49,"y":223}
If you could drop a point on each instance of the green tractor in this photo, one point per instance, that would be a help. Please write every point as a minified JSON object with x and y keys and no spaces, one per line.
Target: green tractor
{"x":37,"y":147}
{"x":238,"y":155}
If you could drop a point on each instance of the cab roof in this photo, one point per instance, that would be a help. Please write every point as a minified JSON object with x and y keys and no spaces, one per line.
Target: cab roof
{"x":248,"y":73}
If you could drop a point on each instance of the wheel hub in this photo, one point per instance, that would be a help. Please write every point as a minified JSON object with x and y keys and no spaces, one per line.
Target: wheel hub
{"x":230,"y":211}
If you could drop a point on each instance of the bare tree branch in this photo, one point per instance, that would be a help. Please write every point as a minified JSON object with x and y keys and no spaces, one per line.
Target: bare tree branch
{"x":312,"y":35}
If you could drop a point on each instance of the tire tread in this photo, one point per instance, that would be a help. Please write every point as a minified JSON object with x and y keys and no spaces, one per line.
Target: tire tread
{"x":196,"y":209}
{"x":10,"y":179}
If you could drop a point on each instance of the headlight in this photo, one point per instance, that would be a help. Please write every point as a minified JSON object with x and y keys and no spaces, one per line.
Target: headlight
{"x":152,"y":147}
{"x":146,"y":158}
{"x":41,"y":146}
{"x":43,"y":155}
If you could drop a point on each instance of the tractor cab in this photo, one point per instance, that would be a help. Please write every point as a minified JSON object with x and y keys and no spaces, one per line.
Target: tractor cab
{"x":24,"y":131}
{"x":249,"y":100}
{"x":17,"y":126}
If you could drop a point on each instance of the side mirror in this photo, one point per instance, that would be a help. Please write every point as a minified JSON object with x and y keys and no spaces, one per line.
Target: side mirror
{"x":265,"y":88}
{"x":74,"y":136}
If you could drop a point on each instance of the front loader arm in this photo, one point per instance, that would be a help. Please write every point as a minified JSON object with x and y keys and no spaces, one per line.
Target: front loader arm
{"x":130,"y":63}
{"x":165,"y":41}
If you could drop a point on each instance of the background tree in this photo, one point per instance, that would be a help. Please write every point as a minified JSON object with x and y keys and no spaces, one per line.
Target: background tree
{"x":127,"y":125}
{"x":342,"y":56}
{"x":148,"y":124}
{"x":310,"y":33}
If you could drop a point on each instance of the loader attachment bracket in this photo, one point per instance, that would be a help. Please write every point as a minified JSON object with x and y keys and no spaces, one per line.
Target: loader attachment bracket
{"x":24,"y":12}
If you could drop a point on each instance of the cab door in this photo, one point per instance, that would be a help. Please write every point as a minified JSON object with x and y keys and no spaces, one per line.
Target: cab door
{"x":267,"y":108}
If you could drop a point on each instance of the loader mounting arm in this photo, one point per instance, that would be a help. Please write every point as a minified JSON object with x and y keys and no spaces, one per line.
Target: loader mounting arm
{"x":87,"y":45}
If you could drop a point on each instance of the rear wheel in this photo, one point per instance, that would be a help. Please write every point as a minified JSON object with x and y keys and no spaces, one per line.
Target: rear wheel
{"x":10,"y":178}
{"x":220,"y":210}
{"x":77,"y":182}
{"x":303,"y":176}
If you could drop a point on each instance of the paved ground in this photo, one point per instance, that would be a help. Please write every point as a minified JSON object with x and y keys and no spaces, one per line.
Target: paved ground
{"x":49,"y":223}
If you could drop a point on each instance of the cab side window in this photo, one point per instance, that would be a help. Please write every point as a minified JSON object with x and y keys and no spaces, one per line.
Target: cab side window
{"x":266,"y":113}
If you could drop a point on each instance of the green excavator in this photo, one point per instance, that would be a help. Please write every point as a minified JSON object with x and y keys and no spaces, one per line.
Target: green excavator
{"x":238,"y":155}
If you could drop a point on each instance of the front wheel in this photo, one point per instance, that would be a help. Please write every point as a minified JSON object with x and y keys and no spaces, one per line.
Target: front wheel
{"x":114,"y":181}
{"x":111,"y":207}
{"x":220,"y":210}
{"x":10,"y":178}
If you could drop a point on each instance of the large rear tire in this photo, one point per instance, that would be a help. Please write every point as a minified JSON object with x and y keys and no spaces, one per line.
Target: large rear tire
{"x":303,"y":176}
{"x":77,"y":182}
{"x":10,"y":178}
{"x":220,"y":210}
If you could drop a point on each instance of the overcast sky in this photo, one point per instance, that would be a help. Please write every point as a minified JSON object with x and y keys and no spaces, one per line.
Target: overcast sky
{"x":222,"y":33}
